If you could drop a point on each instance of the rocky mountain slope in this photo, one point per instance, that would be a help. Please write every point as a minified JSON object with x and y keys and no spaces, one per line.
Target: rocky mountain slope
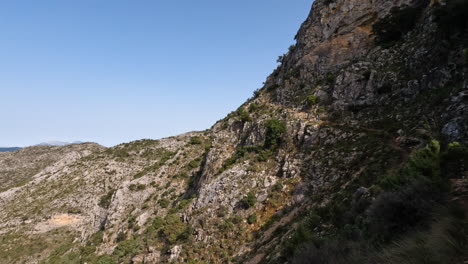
{"x":353,"y":152}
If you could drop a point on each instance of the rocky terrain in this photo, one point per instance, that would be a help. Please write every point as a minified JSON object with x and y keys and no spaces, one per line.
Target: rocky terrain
{"x":354,"y":151}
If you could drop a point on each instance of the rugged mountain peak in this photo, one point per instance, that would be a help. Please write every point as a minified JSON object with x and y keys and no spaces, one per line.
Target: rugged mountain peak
{"x":351,"y":146}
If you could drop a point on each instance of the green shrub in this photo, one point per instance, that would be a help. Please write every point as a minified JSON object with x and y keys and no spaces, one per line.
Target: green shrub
{"x":193,"y":164}
{"x":186,"y":234}
{"x":181,"y":175}
{"x":195,"y":140}
{"x":272,"y":87}
{"x":252,"y":219}
{"x":396,"y":212}
{"x":330,"y":78}
{"x":423,"y":164}
{"x":265,"y":155}
{"x":121,"y":236}
{"x":158,"y":222}
{"x":311,"y":100}
{"x":312,"y":220}
{"x":173,"y":228}
{"x":455,"y":160}
{"x":253,"y":107}
{"x":105,"y":259}
{"x":163,"y":156}
{"x":302,"y":235}
{"x":275,"y":130}
{"x":226,"y":226}
{"x":425,"y":161}
{"x":280,"y":59}
{"x":139,"y":174}
{"x":136,"y":187}
{"x":180,"y":206}
{"x":105,"y":200}
{"x":243,"y":115}
{"x":238,"y":155}
{"x":127,"y":249}
{"x":164,"y":203}
{"x":456,"y":150}
{"x":249,"y":200}
{"x":278,"y":187}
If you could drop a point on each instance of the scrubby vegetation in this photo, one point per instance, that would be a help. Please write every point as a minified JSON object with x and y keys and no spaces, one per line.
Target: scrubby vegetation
{"x":330,"y":78}
{"x":249,"y":200}
{"x":252,"y":219}
{"x":161,"y":154}
{"x":164,"y":203}
{"x":243,"y":115}
{"x":274,"y":130}
{"x":195,"y":141}
{"x":311,"y":100}
{"x":105,"y":200}
{"x":169,"y":229}
{"x":411,"y":219}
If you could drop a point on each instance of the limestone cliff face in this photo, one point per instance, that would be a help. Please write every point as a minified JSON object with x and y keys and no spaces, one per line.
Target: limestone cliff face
{"x":338,"y":113}
{"x":336,"y":59}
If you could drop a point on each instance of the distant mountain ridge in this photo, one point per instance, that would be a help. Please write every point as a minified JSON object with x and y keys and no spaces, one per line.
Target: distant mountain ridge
{"x":48,"y":143}
{"x":9,"y":149}
{"x":59,"y":143}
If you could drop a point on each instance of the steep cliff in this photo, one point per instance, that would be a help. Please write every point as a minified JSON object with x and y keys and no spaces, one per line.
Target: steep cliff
{"x":353,"y":152}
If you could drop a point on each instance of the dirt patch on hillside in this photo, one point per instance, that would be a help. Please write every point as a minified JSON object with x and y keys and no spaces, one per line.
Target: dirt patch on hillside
{"x":57,"y":221}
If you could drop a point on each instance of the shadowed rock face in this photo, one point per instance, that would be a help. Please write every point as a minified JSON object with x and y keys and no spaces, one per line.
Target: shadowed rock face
{"x":340,"y":110}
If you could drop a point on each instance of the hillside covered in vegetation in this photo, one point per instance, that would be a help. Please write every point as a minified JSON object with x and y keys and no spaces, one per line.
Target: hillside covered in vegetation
{"x":354,"y":151}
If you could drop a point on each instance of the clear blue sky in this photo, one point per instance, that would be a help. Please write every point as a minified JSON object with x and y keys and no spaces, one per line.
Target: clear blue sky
{"x":113,"y":71}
